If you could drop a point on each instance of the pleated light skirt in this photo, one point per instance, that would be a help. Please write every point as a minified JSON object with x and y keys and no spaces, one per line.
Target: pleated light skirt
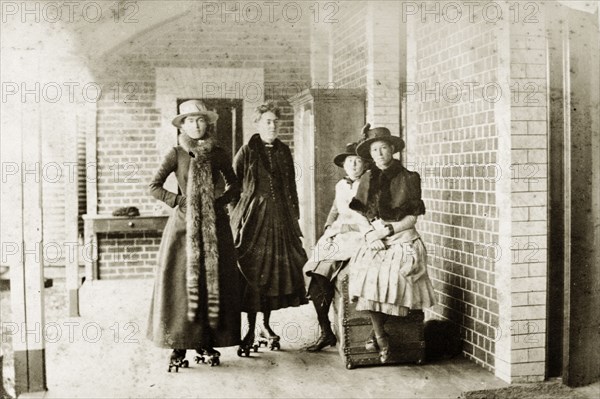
{"x":393,"y":280}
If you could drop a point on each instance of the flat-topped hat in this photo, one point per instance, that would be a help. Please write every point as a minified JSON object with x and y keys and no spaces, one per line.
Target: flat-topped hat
{"x":377,"y":134}
{"x":194,"y":108}
{"x":350,"y":150}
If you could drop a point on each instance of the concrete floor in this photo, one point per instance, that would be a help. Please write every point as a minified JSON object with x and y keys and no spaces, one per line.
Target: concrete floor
{"x":105,"y":354}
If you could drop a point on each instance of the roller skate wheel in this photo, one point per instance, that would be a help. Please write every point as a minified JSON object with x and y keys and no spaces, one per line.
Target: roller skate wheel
{"x":199,"y":359}
{"x":213,"y":362}
{"x":255,"y":347}
{"x":185,"y":364}
{"x":241,"y":351}
{"x":275,"y":346}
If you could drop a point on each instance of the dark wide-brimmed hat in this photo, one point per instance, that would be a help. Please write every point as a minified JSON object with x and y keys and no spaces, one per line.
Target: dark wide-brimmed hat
{"x":194,"y":108}
{"x":350,"y":150}
{"x":377,"y":134}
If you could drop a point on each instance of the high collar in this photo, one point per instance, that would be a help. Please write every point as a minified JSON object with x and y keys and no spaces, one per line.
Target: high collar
{"x":255,"y":143}
{"x":350,"y":181}
{"x":394,"y":169}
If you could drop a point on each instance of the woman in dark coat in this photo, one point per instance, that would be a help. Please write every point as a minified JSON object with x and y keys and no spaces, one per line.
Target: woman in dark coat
{"x":265,"y":227}
{"x":388,"y":274}
{"x":196,"y":303}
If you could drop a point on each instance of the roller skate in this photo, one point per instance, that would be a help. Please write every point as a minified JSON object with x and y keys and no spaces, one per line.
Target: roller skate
{"x":209,"y":356}
{"x":267,"y":337}
{"x":247,"y":344}
{"x":178,"y":360}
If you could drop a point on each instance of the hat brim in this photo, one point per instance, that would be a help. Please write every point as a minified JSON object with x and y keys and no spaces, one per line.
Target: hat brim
{"x":210,"y":116}
{"x":341,"y":158}
{"x":364,"y":148}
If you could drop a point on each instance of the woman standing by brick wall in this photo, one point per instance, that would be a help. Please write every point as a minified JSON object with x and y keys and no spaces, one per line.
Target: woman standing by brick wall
{"x":388,"y":274}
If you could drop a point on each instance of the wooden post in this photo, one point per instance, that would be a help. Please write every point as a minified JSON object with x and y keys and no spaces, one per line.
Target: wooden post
{"x":71,"y":215}
{"x":22,"y":240}
{"x":3,"y":393}
{"x":90,"y":250}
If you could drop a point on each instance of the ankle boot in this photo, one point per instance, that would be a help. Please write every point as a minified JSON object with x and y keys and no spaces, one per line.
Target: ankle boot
{"x":371,"y":344}
{"x":384,"y":348}
{"x":327,"y":338}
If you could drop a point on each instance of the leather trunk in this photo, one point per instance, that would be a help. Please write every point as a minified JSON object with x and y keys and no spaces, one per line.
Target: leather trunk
{"x":352,"y":328}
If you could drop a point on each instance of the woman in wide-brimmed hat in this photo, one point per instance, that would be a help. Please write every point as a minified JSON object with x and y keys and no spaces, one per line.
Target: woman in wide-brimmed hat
{"x":196,"y":303}
{"x":388,"y":274}
{"x":343,"y":234}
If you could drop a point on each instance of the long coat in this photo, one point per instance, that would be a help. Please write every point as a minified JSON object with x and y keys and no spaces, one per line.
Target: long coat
{"x":168,"y":322}
{"x":246,"y":168}
{"x":265,"y":227}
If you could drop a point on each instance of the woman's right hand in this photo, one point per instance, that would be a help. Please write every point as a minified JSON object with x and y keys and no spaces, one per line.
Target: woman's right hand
{"x":376,"y":235}
{"x":377,"y":245}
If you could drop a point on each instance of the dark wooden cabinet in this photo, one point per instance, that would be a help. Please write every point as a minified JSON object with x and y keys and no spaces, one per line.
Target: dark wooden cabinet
{"x":324,"y":121}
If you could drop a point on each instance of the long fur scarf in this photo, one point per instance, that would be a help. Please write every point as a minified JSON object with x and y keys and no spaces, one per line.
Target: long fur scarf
{"x":201,"y":236}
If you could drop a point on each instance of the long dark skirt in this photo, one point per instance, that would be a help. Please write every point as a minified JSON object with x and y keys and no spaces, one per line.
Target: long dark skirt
{"x":168,"y":325}
{"x":271,"y":257}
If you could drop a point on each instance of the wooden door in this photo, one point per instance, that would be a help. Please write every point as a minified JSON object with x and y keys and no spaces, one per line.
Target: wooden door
{"x":339,"y":118}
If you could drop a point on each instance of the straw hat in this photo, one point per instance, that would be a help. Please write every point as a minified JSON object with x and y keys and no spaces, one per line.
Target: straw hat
{"x":194,"y":108}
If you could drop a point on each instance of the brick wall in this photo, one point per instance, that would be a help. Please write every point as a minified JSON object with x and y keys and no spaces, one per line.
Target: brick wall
{"x":129,"y":136}
{"x":349,"y":40}
{"x":483,"y":160}
{"x":452,"y":138}
{"x":127,"y":255}
{"x":366,"y":54}
{"x":384,"y":64}
{"x":529,"y":192}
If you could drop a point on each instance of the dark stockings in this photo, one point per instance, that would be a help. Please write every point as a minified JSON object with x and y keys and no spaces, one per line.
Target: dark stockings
{"x":378,"y":319}
{"x":266,"y":328}
{"x":249,"y":338}
{"x":321,"y":293}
